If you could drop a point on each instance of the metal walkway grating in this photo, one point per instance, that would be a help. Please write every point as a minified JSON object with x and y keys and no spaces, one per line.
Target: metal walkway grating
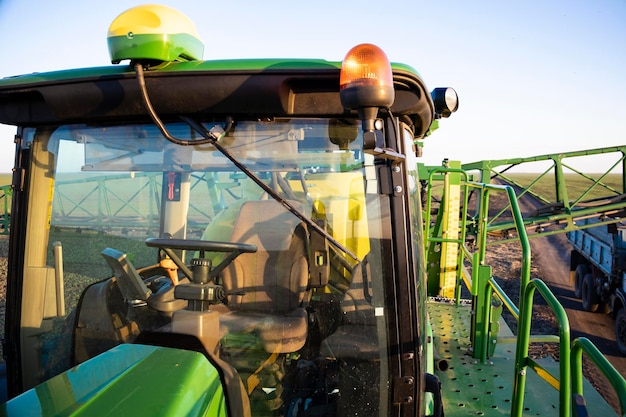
{"x":474,"y":389}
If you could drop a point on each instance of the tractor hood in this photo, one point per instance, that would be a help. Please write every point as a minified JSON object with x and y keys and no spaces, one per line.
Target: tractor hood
{"x":128,"y":380}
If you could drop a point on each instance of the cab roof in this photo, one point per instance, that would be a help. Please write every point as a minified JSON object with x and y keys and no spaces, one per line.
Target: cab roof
{"x":201,"y":89}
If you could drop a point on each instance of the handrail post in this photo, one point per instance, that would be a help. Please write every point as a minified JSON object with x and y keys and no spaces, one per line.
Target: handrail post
{"x":482,"y":291}
{"x":480,"y":322}
{"x":582,"y":344}
{"x":523,"y":337}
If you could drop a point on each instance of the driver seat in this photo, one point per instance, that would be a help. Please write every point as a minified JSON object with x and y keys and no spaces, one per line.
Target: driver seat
{"x":265,"y":289}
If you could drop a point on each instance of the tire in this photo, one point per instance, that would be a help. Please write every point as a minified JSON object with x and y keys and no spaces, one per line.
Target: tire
{"x":579,"y":275}
{"x":590,"y":298}
{"x":620,"y":330}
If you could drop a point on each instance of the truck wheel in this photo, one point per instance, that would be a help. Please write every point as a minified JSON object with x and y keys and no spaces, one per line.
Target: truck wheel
{"x":581,"y":271}
{"x":620,"y":330}
{"x":590,"y":299}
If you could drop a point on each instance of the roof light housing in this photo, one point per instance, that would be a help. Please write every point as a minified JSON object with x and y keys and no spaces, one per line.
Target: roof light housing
{"x":153,"y":33}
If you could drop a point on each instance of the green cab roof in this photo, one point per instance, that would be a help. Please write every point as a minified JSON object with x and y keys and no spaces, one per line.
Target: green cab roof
{"x":189,"y":66}
{"x":237,"y":88}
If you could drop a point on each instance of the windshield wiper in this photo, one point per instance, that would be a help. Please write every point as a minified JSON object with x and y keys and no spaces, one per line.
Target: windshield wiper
{"x":212,"y":137}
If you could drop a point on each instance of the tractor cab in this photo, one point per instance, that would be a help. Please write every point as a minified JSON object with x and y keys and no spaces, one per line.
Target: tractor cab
{"x":227,"y":237}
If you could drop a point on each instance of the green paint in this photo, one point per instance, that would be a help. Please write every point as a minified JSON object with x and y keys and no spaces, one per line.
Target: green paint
{"x":245,"y":65}
{"x":132,"y":380}
{"x":160,"y":47}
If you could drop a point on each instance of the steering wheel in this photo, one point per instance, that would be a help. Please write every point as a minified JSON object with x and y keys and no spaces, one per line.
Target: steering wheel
{"x":234,"y":249}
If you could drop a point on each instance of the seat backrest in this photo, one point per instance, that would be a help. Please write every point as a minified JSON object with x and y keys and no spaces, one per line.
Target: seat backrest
{"x":356,"y":305}
{"x":274,"y":279}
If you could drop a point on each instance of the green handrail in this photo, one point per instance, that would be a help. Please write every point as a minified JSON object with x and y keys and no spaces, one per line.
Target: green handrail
{"x":506,"y":300}
{"x":522,"y":360}
{"x":582,"y":344}
{"x":484,"y":286}
{"x":480,"y":286}
{"x":460,"y":240}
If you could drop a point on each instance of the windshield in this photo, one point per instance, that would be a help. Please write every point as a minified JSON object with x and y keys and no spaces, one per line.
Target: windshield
{"x":298,"y":314}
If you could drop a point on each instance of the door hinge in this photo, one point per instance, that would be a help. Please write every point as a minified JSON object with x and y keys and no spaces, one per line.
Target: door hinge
{"x":403,"y":390}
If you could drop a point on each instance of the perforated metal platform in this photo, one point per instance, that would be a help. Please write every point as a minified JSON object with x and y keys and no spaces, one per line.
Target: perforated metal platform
{"x":471,"y":388}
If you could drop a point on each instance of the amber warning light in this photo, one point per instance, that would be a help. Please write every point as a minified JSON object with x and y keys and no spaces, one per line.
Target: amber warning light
{"x":366,"y":79}
{"x":366,"y":85}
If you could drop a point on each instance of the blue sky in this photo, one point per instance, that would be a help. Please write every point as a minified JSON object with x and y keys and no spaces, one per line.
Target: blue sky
{"x":533,"y":77}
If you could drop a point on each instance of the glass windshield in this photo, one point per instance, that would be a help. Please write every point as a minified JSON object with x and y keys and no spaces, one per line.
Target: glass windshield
{"x":296,"y":307}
